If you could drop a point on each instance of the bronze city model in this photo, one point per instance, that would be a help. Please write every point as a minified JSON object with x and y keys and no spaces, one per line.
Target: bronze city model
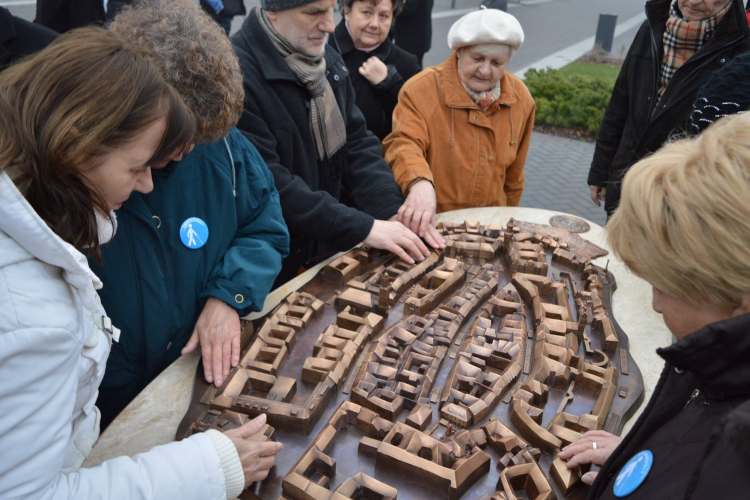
{"x":464,"y":374}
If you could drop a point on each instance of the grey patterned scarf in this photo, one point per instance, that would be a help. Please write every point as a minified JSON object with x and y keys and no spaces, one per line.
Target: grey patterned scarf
{"x":326,"y":122}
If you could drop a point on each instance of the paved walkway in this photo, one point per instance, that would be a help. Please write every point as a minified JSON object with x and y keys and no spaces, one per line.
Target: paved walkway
{"x":556,"y":172}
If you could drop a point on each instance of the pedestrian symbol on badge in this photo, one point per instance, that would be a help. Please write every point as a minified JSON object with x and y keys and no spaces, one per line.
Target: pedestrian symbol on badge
{"x":633,"y":474}
{"x":194,"y":233}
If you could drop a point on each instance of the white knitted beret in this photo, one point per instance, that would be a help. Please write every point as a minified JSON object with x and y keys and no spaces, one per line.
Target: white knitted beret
{"x":486,"y":26}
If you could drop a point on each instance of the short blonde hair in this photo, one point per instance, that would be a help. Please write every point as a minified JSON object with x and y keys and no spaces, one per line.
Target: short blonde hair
{"x":683,"y":223}
{"x":194,"y":54}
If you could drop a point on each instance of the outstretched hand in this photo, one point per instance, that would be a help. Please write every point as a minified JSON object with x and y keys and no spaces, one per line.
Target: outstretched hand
{"x":256,"y":457}
{"x":418,"y":213}
{"x":397,"y":238}
{"x":218,"y":333}
{"x":582,"y":451}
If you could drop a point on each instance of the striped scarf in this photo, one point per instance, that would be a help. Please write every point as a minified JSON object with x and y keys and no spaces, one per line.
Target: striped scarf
{"x":484,"y":99}
{"x":682,"y":39}
{"x":326,"y":123}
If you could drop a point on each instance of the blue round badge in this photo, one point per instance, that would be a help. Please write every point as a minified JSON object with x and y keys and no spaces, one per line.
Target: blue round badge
{"x":194,"y":233}
{"x":633,"y":474}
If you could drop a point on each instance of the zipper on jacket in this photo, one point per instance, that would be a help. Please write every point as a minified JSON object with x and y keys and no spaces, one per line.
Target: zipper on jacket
{"x":657,"y":75}
{"x":693,"y":397}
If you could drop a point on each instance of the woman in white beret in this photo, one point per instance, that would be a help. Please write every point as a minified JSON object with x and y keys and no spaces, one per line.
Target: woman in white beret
{"x":461,"y":129}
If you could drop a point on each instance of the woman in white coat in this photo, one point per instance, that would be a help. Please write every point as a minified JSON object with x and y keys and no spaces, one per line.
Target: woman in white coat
{"x":81,"y":124}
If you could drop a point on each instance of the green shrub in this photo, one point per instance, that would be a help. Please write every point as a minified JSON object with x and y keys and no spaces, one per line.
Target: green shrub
{"x":569,"y":101}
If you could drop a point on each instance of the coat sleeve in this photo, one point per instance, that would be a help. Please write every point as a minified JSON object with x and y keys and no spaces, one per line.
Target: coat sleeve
{"x":246,"y":272}
{"x":310,"y":214}
{"x":613,"y":123}
{"x":406,"y":147}
{"x":368,"y":181}
{"x":36,"y":429}
{"x":514,"y":176}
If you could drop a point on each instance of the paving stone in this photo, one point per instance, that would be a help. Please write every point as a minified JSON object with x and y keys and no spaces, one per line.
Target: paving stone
{"x":556,"y":172}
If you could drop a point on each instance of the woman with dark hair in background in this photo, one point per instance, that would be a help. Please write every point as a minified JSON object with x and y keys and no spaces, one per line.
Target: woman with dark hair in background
{"x":83,"y":122}
{"x":378,"y":68}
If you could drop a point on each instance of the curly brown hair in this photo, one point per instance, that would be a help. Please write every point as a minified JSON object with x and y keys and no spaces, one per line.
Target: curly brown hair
{"x":195,"y":56}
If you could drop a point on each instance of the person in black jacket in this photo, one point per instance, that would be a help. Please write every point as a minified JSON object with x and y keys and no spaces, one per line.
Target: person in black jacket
{"x":378,"y":68}
{"x":65,"y":15}
{"x":335,"y":188}
{"x":20,"y":38}
{"x":413,"y":28}
{"x":674,"y":53}
{"x":683,"y":225}
{"x":726,"y":93}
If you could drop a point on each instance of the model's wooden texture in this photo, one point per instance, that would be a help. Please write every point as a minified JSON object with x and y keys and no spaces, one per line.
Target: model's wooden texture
{"x":461,"y":376}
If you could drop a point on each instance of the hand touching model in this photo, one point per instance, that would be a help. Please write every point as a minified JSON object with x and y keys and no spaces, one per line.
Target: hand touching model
{"x":593,"y":447}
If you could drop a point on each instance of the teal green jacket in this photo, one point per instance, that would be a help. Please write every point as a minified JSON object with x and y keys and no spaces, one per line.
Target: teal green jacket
{"x":155,"y":287}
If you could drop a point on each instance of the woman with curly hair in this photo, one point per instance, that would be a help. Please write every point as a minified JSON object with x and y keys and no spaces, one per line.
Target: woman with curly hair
{"x":84,"y":122}
{"x":167,"y":293}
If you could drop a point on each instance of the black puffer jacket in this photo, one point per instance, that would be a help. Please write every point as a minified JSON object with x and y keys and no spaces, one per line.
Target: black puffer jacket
{"x":328,"y":205}
{"x":376,"y":102}
{"x":631,"y":127}
{"x":697,"y":423}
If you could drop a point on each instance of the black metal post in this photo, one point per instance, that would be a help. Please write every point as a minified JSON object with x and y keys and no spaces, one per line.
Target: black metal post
{"x":605,"y":32}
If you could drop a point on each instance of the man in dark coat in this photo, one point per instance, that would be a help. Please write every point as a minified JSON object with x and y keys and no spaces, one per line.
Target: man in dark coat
{"x":336,"y":190}
{"x":20,"y":38}
{"x":641,"y":115}
{"x":412,"y":30}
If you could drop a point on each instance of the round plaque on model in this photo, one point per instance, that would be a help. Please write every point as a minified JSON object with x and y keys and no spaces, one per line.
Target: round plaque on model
{"x":570,"y":223}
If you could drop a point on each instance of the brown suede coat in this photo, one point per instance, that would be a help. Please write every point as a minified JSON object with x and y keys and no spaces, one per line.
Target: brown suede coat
{"x":474,"y":159}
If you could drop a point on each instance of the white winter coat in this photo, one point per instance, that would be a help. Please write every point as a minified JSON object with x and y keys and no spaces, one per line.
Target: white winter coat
{"x":52,"y":359}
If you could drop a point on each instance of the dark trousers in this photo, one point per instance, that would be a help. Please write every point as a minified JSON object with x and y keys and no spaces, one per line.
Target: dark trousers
{"x":112,"y":400}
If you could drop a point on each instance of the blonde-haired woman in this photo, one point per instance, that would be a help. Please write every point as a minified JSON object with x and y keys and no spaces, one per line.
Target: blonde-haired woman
{"x":683,"y":225}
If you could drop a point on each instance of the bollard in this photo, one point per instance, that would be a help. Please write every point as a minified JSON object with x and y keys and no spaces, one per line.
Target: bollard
{"x":605,"y":32}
